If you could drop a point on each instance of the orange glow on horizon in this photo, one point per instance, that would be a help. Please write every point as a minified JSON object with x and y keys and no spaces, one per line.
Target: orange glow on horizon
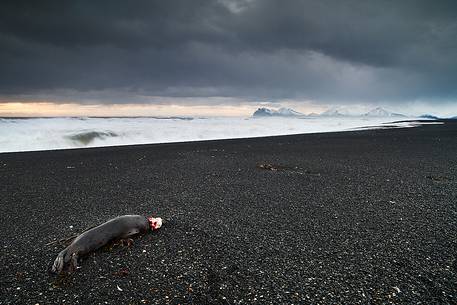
{"x":52,"y":109}
{"x":45,"y":109}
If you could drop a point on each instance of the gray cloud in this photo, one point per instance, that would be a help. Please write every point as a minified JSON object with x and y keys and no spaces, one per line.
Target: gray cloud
{"x":325,"y":50}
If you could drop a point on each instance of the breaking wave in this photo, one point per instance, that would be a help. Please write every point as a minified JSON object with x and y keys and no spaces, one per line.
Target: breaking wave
{"x":86,"y":138}
{"x":17,"y":134}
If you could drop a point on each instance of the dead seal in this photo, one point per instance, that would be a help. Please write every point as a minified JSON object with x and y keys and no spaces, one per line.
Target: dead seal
{"x":95,"y":238}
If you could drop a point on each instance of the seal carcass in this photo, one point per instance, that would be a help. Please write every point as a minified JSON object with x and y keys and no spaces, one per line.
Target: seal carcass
{"x":117,"y":228}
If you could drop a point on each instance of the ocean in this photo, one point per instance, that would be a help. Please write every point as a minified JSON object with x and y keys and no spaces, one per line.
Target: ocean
{"x":31,"y":134}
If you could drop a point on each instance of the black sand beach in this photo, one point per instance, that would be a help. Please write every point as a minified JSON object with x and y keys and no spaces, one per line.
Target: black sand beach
{"x":364,"y":217}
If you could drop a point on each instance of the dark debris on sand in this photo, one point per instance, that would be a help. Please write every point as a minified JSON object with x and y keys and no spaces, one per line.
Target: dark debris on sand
{"x":363,"y":217}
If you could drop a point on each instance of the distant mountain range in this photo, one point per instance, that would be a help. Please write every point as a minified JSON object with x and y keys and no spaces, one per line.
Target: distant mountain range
{"x":429,"y":116}
{"x":333,"y":112}
{"x":283,"y":112}
{"x":380,"y":112}
{"x":434,"y":117}
{"x":377,"y":112}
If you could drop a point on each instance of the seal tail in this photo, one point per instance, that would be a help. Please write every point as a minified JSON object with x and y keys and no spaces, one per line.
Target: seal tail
{"x":59,"y":262}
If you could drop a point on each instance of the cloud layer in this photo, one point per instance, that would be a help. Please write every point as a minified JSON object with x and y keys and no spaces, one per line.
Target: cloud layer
{"x":328,"y":50}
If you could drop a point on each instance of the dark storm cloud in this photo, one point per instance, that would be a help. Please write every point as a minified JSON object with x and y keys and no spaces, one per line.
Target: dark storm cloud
{"x":322,"y":50}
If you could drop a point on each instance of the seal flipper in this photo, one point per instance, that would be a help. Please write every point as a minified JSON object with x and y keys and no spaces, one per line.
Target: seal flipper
{"x":73,"y":262}
{"x":59,"y":263}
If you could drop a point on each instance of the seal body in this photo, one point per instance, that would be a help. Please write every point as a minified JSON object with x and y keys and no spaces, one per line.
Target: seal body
{"x":93,"y":239}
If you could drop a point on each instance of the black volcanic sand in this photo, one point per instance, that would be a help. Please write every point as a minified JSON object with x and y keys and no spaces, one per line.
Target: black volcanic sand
{"x":365,"y":217}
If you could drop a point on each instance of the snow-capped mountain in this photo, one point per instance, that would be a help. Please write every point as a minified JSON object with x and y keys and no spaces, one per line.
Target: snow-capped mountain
{"x":332,"y":112}
{"x":380,"y":112}
{"x":283,"y":112}
{"x":288,"y":112}
{"x":263,"y":112}
{"x":313,"y":114}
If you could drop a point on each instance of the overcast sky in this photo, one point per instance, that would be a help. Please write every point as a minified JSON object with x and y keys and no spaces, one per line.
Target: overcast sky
{"x":324,"y":51}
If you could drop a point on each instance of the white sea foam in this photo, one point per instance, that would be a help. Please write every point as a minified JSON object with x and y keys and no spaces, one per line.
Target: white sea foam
{"x":60,"y":133}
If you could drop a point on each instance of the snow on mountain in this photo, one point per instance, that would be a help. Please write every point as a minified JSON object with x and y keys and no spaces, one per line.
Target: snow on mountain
{"x":380,"y":112}
{"x":282,"y":112}
{"x":332,"y":112}
{"x":288,"y":112}
{"x":313,"y":114}
{"x":262,"y":112}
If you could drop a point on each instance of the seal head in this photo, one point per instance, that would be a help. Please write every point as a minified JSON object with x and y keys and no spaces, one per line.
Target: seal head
{"x":154,"y":223}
